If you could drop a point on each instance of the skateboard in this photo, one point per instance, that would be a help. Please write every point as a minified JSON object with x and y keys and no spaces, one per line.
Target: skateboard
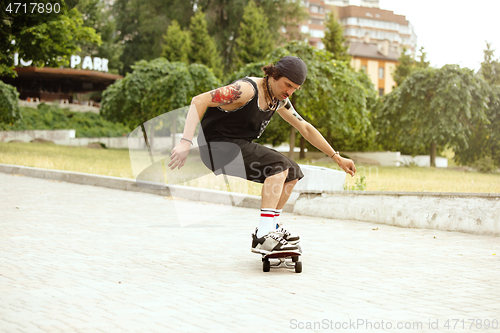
{"x":283,"y":262}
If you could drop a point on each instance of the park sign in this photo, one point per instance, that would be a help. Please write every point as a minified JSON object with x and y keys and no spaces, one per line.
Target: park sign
{"x":95,"y":63}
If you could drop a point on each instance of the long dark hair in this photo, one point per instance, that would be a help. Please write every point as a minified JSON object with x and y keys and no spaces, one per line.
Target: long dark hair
{"x":272,"y":71}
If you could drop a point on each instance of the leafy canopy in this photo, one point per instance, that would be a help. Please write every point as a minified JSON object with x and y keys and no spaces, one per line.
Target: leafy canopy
{"x":254,"y":41}
{"x":154,"y":88}
{"x":490,"y":67}
{"x":433,"y":106}
{"x":334,"y":39}
{"x":49,"y":39}
{"x":176,"y":43}
{"x":407,"y":64}
{"x":9,"y":105}
{"x":484,"y":142}
{"x":203,"y":48}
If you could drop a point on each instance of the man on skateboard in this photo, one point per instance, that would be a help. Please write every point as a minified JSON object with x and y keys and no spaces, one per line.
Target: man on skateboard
{"x":237,"y":114}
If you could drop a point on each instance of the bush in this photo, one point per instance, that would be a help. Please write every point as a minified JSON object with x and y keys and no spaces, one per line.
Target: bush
{"x":9,"y":105}
{"x":485,"y":165}
{"x":49,"y":117}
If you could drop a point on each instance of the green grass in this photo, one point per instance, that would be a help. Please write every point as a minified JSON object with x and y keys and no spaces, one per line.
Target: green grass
{"x":419,"y":179}
{"x":108,"y":162}
{"x":116,"y":162}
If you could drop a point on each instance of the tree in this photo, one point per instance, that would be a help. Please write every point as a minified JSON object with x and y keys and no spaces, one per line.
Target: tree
{"x":334,"y":39}
{"x":154,"y":88}
{"x":47,"y":40}
{"x":9,"y":105}
{"x":407,"y":64}
{"x":203,"y":48}
{"x":485,"y":138}
{"x":484,"y":141}
{"x":254,"y":40}
{"x":433,"y":107}
{"x":98,"y":16}
{"x":176,"y":43}
{"x":284,"y":18}
{"x":141,"y":24}
{"x":490,"y":67}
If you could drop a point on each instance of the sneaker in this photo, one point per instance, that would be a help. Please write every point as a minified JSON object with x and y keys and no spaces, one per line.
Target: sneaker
{"x":287,"y":235}
{"x":273,"y":242}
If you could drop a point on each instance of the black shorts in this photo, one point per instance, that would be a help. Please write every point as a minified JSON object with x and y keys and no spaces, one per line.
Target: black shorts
{"x":255,"y":163}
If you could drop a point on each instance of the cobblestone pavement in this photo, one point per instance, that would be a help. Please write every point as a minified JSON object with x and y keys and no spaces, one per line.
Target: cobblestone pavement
{"x":78,"y":258}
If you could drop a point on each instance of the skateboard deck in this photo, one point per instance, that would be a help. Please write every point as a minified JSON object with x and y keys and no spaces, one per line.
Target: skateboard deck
{"x":286,"y":260}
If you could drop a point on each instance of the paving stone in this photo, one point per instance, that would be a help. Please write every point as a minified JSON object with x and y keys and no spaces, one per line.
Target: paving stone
{"x":91,"y":259}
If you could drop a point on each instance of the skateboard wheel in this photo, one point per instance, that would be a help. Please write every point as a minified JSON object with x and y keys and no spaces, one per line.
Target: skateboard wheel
{"x":266,"y":265}
{"x":295,"y":258}
{"x":298,"y":267}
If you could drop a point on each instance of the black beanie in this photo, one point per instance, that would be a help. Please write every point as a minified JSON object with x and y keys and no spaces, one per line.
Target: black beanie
{"x":293,"y":68}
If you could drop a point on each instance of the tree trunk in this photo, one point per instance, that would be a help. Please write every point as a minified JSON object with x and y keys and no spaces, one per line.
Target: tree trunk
{"x":329,"y":136}
{"x":292,"y":142}
{"x":433,"y":154}
{"x":174,"y":130}
{"x":302,"y":155}
{"x":152,"y":136}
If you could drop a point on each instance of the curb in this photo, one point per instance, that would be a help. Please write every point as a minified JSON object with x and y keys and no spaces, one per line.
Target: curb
{"x":415,"y":194}
{"x":473,"y":214}
{"x":184,"y":192}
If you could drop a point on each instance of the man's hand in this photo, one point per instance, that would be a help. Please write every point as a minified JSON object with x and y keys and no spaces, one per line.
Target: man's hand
{"x":345,"y":164}
{"x":179,"y":155}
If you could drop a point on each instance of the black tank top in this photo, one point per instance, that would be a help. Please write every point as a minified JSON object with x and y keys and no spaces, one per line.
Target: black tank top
{"x":247,"y":122}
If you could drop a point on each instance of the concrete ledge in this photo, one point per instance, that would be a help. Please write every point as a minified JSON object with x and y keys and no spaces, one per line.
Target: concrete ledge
{"x":417,"y":194}
{"x":475,"y":213}
{"x":184,"y":192}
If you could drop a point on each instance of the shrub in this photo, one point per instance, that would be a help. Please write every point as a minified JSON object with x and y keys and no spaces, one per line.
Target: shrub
{"x":485,"y":165}
{"x":49,"y":117}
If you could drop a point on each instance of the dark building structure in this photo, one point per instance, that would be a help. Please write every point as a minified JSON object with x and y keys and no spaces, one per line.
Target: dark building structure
{"x":51,"y":84}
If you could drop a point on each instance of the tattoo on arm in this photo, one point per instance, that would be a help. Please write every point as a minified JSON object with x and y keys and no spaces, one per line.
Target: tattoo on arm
{"x":289,"y":106}
{"x":226,"y":95}
{"x":298,"y":116}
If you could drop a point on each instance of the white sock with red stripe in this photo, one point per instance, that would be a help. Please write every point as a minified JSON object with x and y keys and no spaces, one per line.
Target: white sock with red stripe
{"x":266,"y":222}
{"x":277,"y":213}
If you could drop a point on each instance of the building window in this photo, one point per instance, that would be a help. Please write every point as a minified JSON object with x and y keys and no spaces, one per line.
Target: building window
{"x":316,"y":21}
{"x":381,"y":72}
{"x":381,"y":92}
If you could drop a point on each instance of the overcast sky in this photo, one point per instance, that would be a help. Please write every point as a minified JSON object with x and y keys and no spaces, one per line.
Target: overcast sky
{"x":452,"y":31}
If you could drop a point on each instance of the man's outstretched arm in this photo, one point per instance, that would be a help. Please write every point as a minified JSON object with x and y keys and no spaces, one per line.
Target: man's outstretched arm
{"x":228,"y":98}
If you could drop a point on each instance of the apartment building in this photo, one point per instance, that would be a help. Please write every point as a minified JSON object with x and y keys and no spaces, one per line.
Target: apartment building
{"x":314,"y":27}
{"x":379,"y":25}
{"x":375,"y":36}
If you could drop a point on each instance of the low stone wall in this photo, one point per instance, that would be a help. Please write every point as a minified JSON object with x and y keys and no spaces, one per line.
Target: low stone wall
{"x":67,"y":138}
{"x":475,"y":213}
{"x":393,"y":158}
{"x":70,"y":106}
{"x":56,"y":136}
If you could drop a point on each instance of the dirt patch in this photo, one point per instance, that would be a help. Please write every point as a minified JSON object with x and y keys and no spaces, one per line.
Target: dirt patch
{"x":96,"y":145}
{"x":39,"y":140}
